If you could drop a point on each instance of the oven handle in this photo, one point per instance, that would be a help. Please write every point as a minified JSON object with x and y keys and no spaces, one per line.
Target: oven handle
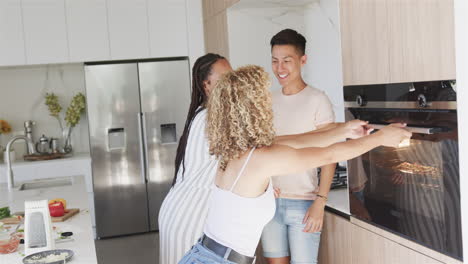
{"x":416,"y":130}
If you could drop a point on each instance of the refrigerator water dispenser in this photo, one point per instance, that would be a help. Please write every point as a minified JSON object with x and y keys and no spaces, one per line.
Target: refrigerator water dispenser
{"x":116,"y":138}
{"x":168,"y":133}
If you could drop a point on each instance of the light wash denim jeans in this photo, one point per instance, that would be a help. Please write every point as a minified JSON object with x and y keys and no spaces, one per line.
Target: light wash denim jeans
{"x":201,"y":255}
{"x":283,"y":235}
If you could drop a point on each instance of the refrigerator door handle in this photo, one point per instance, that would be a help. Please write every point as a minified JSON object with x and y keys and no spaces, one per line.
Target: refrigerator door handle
{"x":142,"y":142}
{"x":145,"y":145}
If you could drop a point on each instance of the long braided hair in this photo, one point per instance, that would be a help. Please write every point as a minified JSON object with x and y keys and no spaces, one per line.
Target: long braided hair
{"x":201,"y":71}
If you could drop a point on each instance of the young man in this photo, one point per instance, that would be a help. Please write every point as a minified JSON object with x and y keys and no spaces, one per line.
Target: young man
{"x":294,"y":233}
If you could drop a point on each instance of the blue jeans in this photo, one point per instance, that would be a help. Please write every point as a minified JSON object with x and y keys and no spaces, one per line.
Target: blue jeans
{"x":283,"y":235}
{"x":201,"y":255}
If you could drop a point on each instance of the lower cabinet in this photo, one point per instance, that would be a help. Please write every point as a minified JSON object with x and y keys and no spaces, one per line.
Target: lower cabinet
{"x":345,"y":242}
{"x":335,"y":243}
{"x":348,"y":242}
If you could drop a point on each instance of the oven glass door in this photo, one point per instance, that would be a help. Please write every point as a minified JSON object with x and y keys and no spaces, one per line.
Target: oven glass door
{"x":414,"y":189}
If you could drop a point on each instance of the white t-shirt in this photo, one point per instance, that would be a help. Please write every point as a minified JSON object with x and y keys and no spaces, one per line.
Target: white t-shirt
{"x":294,"y":114}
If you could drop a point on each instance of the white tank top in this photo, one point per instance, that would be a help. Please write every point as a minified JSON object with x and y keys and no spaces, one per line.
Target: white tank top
{"x":237,"y":222}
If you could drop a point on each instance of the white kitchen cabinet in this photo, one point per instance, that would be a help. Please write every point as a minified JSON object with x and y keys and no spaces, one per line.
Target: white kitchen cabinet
{"x":128,"y":29}
{"x":87,"y":30}
{"x":167,"y":28}
{"x":45,"y":31}
{"x":11,"y":33}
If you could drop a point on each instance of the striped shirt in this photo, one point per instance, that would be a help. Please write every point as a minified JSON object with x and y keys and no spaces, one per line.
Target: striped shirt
{"x":184,"y":210}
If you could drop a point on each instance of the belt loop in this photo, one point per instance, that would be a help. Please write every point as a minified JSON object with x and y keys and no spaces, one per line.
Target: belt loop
{"x":228,"y":252}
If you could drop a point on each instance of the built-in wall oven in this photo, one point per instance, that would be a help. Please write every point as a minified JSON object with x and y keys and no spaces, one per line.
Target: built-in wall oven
{"x":414,"y":189}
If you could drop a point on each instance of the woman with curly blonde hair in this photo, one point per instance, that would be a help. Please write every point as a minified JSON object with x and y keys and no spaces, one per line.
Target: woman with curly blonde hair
{"x":240,"y":134}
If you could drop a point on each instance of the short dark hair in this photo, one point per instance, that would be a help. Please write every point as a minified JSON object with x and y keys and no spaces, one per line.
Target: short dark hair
{"x":289,"y":37}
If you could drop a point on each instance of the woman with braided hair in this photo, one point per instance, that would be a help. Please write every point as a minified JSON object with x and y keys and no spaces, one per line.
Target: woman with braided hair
{"x":183,"y":212}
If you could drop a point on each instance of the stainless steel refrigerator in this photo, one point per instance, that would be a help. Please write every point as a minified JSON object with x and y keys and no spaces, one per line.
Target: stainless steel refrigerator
{"x":136,"y":114}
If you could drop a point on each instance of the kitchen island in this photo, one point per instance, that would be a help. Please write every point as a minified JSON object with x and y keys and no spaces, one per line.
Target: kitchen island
{"x":80,"y":224}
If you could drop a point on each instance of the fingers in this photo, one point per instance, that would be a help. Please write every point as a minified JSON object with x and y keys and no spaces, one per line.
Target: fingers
{"x":358,"y":123}
{"x":306,"y":217}
{"x":408,"y":134}
{"x":313,"y":226}
{"x":277,"y":192}
{"x":398,"y":125}
{"x":369,"y":130}
{"x":309,"y":226}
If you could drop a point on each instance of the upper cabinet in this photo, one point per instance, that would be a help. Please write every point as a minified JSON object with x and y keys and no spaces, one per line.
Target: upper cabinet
{"x":45,"y":31}
{"x":364,"y":38}
{"x":391,"y":41}
{"x":61,"y":31}
{"x":167,"y":28}
{"x":87,"y":30}
{"x":422,"y":43}
{"x":128,"y":29}
{"x":11,"y":33}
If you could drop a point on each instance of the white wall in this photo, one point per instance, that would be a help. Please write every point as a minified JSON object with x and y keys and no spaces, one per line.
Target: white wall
{"x":196,"y":41}
{"x":461,"y":43}
{"x":22,"y":91}
{"x":324,"y":67}
{"x":250,"y":31}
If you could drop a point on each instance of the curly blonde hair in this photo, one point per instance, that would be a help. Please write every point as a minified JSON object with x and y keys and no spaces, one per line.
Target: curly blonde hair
{"x":240,"y":116}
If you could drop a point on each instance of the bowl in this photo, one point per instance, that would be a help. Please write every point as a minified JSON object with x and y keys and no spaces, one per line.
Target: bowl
{"x":9,"y":242}
{"x":62,"y":256}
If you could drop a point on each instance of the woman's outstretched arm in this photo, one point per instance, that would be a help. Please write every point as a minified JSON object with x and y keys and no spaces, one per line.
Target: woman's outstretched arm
{"x":287,"y":160}
{"x":325,"y":137}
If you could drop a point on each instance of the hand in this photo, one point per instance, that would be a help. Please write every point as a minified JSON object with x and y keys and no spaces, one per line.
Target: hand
{"x":313,"y":219}
{"x":277,"y":192}
{"x":356,"y":129}
{"x":393,"y":134}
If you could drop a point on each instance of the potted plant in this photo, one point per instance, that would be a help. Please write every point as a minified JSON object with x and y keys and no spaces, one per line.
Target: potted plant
{"x":72,"y":115}
{"x":5,"y":128}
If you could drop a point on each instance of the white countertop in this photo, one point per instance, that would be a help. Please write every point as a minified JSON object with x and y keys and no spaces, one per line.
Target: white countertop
{"x":339,"y":199}
{"x":78,"y":164}
{"x":80,"y":224}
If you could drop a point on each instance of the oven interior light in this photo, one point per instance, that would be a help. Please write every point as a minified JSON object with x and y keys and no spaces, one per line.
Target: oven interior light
{"x":404,"y":143}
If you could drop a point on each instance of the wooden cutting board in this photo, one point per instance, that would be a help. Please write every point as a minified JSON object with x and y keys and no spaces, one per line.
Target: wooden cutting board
{"x":68,"y":214}
{"x":36,"y":157}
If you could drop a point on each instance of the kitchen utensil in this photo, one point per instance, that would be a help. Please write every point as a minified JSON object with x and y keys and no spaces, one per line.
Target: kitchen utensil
{"x":64,"y":240}
{"x":36,"y":258}
{"x":43,"y":146}
{"x":54,"y":148}
{"x":28,"y":132}
{"x":38,"y":227}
